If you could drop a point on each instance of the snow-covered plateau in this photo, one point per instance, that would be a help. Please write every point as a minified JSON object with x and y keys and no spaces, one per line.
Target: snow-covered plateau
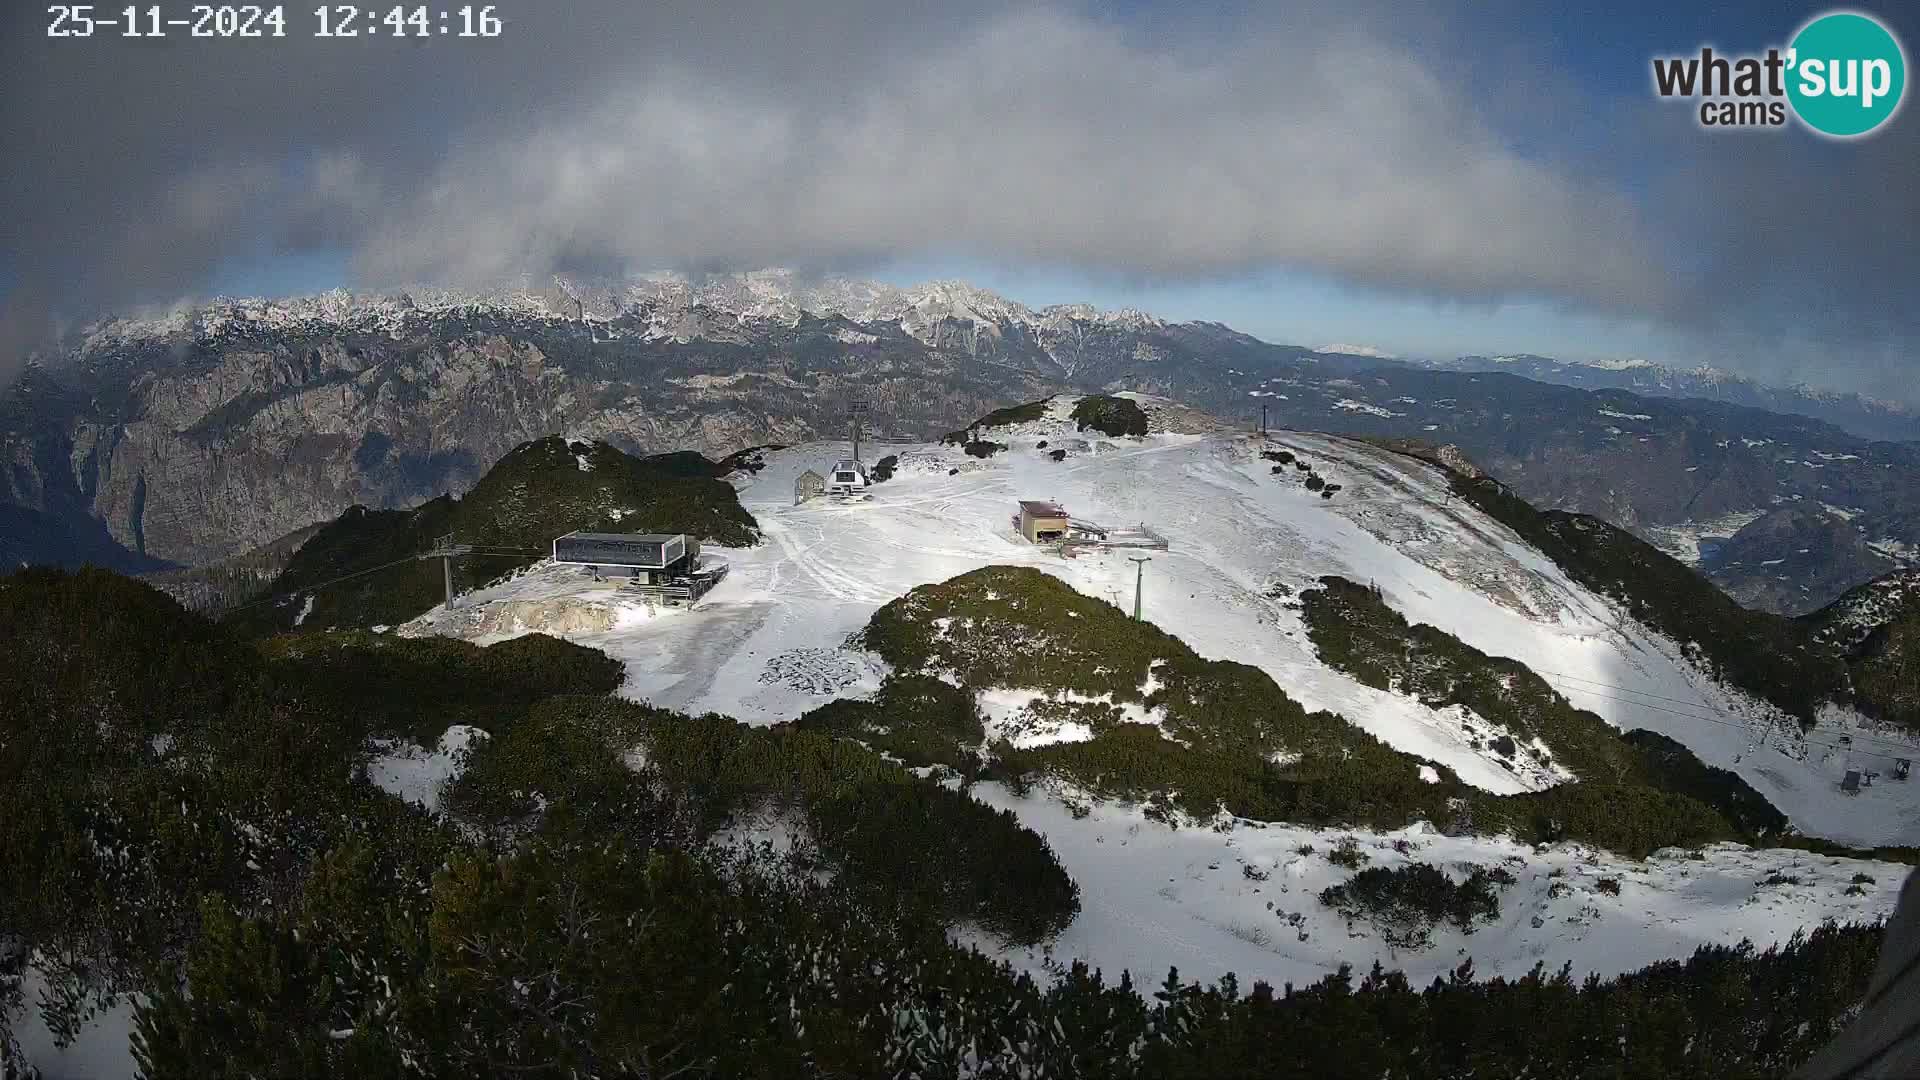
{"x":771,"y":642}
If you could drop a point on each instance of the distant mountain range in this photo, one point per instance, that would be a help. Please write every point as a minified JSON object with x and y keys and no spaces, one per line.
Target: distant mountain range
{"x":187,"y":438}
{"x":1868,"y":417}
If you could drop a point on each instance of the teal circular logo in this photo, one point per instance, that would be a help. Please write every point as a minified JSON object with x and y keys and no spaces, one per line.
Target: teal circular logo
{"x":1846,"y":74}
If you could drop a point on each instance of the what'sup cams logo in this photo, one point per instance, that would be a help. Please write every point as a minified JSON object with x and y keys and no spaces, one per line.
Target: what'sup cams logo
{"x":1843,"y":76}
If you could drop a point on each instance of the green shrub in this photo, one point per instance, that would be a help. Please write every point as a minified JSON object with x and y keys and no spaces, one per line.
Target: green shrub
{"x":896,"y":839}
{"x":1013,"y":414}
{"x":942,"y":852}
{"x":1110,"y":415}
{"x":1346,"y":852}
{"x":559,"y":768}
{"x":419,"y":686}
{"x":1885,"y":670}
{"x":1670,"y":766}
{"x":1819,"y":846}
{"x":1406,"y":902}
{"x":1875,"y":630}
{"x":918,"y":719}
{"x":149,"y":761}
{"x":1631,"y":819}
{"x":1356,"y":632}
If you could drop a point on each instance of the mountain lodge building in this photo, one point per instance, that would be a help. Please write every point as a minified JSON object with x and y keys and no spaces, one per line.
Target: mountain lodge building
{"x":1042,"y":522}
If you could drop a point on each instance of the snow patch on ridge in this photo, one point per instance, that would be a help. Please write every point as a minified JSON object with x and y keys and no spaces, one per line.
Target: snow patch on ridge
{"x":1029,"y":718}
{"x":418,"y":775}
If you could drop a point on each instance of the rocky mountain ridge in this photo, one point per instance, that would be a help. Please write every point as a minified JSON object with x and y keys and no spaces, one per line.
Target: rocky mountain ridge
{"x":182,"y":439}
{"x":661,"y":302}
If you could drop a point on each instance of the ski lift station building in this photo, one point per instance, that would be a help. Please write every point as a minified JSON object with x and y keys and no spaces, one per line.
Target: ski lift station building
{"x":1043,"y":522}
{"x":637,"y":555}
{"x":849,"y":476}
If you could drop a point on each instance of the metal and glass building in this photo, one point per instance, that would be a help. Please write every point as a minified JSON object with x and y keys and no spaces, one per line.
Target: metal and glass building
{"x":635,"y":551}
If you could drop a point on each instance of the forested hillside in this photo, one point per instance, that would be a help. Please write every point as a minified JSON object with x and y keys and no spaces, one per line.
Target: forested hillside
{"x":359,"y":570}
{"x":1876,"y":630}
{"x":194,"y":847}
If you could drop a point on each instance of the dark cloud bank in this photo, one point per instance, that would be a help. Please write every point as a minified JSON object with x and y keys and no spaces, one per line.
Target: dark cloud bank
{"x":736,"y":136}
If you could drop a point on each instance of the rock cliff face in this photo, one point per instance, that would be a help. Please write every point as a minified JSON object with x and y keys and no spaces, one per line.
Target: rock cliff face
{"x":183,"y":440}
{"x":214,"y":445}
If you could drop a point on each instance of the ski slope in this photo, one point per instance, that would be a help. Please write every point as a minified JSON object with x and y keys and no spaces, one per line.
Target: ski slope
{"x":770,"y":643}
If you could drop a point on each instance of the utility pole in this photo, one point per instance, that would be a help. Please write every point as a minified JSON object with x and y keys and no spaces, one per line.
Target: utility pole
{"x":856,"y":412}
{"x":1139,"y":580}
{"x":1263,"y":418}
{"x":446,"y":551}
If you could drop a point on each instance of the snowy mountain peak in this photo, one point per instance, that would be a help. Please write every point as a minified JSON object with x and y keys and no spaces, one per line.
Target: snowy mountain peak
{"x":673,"y":305}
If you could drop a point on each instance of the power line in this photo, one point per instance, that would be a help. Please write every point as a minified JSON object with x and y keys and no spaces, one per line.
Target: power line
{"x":324,"y":584}
{"x":283,"y":597}
{"x":373,"y":570}
{"x":1909,"y":748}
{"x":1628,"y":689}
{"x":1645,"y":705}
{"x":1896,"y":744}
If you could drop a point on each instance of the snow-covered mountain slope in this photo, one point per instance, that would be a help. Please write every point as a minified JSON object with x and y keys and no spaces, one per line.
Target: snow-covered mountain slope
{"x":770,"y":643}
{"x":766,"y":645}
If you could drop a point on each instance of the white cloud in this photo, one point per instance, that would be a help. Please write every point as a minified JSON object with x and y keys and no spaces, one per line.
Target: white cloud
{"x":1037,"y":137}
{"x":1359,"y":144}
